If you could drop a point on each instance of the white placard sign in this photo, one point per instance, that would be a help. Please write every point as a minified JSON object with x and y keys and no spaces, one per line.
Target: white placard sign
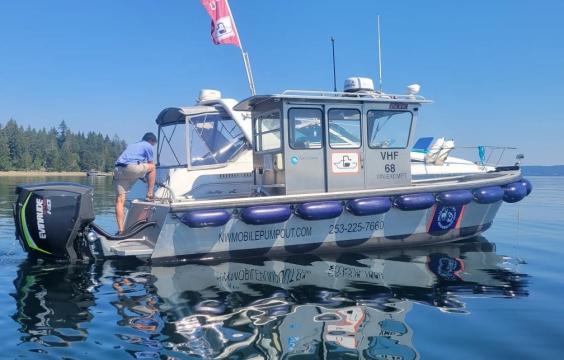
{"x":345,"y":162}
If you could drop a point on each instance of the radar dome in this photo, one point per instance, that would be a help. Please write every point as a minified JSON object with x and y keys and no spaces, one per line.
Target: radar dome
{"x":358,"y":84}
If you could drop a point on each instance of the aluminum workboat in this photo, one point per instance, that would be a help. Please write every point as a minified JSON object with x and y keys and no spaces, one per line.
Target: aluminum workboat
{"x":300,"y":171}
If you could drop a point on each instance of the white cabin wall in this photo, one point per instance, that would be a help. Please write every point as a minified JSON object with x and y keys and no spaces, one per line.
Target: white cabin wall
{"x":234,"y":179}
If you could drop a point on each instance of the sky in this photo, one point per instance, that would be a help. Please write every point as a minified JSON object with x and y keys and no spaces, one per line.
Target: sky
{"x":494,"y":69}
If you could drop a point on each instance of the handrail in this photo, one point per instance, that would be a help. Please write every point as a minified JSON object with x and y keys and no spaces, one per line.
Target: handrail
{"x":339,"y":94}
{"x":492,"y":151}
{"x":494,"y":147}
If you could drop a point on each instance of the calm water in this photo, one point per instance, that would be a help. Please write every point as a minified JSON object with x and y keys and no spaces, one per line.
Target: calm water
{"x":499,"y":296}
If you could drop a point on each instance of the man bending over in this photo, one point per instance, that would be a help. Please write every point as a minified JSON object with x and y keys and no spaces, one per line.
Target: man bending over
{"x":135,"y":162}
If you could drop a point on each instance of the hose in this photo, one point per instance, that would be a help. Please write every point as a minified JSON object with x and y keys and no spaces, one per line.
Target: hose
{"x":132,"y":231}
{"x":136,"y":224}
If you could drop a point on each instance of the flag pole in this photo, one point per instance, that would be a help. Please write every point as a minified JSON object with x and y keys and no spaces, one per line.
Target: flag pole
{"x":245,"y":55}
{"x":249,"y":71}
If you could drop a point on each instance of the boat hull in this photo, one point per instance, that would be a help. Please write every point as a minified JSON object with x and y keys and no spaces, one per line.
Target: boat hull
{"x":396,"y":228}
{"x":320,"y":223}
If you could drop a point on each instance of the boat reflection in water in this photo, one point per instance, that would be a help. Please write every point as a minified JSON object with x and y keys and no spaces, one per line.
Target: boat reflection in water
{"x":352,"y":305}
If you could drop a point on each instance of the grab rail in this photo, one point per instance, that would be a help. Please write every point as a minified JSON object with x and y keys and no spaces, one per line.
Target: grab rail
{"x":493,"y":149}
{"x":337,"y":94}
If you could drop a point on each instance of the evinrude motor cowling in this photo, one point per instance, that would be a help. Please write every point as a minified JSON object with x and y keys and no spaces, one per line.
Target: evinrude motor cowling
{"x":51,"y":217}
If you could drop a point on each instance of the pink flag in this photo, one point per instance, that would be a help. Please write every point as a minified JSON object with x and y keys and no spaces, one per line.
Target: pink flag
{"x":223,"y":29}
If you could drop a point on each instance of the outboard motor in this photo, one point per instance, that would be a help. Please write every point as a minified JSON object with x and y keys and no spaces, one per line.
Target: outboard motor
{"x":51,"y":219}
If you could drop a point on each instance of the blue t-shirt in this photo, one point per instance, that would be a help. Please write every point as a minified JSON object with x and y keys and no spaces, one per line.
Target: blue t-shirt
{"x":141,"y":152}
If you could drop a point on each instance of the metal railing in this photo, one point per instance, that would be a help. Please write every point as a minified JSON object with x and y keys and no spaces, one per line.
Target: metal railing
{"x":359,"y":95}
{"x":492,"y":154}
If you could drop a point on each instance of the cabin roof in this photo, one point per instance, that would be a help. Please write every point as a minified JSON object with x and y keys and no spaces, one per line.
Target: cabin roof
{"x":328,"y":96}
{"x":178,"y":114}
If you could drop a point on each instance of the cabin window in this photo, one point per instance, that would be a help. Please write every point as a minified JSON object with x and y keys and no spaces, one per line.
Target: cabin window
{"x":305,"y":128}
{"x":344,"y":128}
{"x":267,"y":131}
{"x":214,"y":139}
{"x":388,"y":129}
{"x":172,"y":146}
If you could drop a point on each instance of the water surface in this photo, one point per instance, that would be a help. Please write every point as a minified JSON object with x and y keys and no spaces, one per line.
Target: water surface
{"x":497,"y":296}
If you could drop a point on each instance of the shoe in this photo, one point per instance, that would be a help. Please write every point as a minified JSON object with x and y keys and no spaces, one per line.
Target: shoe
{"x":119,"y":233}
{"x":150,"y":198}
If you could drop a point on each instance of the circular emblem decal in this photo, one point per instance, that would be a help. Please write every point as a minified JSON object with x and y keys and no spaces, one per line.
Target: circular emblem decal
{"x":446,"y":217}
{"x":294,"y":160}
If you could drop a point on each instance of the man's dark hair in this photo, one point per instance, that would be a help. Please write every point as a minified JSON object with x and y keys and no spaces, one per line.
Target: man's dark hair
{"x":149,"y":137}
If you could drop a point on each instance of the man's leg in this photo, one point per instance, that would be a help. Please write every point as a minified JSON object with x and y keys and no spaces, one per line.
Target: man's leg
{"x":151,"y":176}
{"x":120,"y":216}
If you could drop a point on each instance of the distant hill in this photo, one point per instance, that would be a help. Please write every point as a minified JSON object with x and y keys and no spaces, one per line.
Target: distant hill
{"x":532,"y":170}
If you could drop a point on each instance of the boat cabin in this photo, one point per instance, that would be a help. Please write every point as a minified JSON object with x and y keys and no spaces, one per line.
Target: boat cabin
{"x":198,"y":137}
{"x":296,"y":142}
{"x":311,"y":142}
{"x":204,"y":150}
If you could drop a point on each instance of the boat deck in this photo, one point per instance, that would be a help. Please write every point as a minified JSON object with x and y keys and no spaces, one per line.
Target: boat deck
{"x":140,"y":247}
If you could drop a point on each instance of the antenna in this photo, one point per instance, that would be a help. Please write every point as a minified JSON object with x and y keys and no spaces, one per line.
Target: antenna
{"x":334,"y":71}
{"x":379,"y":57}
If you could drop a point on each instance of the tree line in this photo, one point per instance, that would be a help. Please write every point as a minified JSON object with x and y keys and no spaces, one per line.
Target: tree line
{"x":56,"y":149}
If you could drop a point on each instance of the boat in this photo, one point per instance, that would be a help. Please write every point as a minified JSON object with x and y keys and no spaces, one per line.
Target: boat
{"x":432,"y":158}
{"x":295,"y":172}
{"x":95,"y":173}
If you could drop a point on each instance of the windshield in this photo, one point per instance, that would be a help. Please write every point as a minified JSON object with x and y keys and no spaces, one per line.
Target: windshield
{"x":214,"y":139}
{"x":388,"y":129}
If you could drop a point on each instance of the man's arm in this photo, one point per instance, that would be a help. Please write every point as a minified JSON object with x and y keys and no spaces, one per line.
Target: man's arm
{"x":149,"y":154}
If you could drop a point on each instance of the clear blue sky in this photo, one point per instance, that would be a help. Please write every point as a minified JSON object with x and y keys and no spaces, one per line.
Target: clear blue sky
{"x":495,"y":69}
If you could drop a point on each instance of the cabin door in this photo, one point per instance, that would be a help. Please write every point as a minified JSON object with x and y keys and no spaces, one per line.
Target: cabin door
{"x":344,"y":148}
{"x":304,"y":150}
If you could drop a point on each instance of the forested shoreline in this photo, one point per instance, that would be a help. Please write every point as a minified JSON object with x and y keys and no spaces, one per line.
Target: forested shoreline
{"x":56,"y":149}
